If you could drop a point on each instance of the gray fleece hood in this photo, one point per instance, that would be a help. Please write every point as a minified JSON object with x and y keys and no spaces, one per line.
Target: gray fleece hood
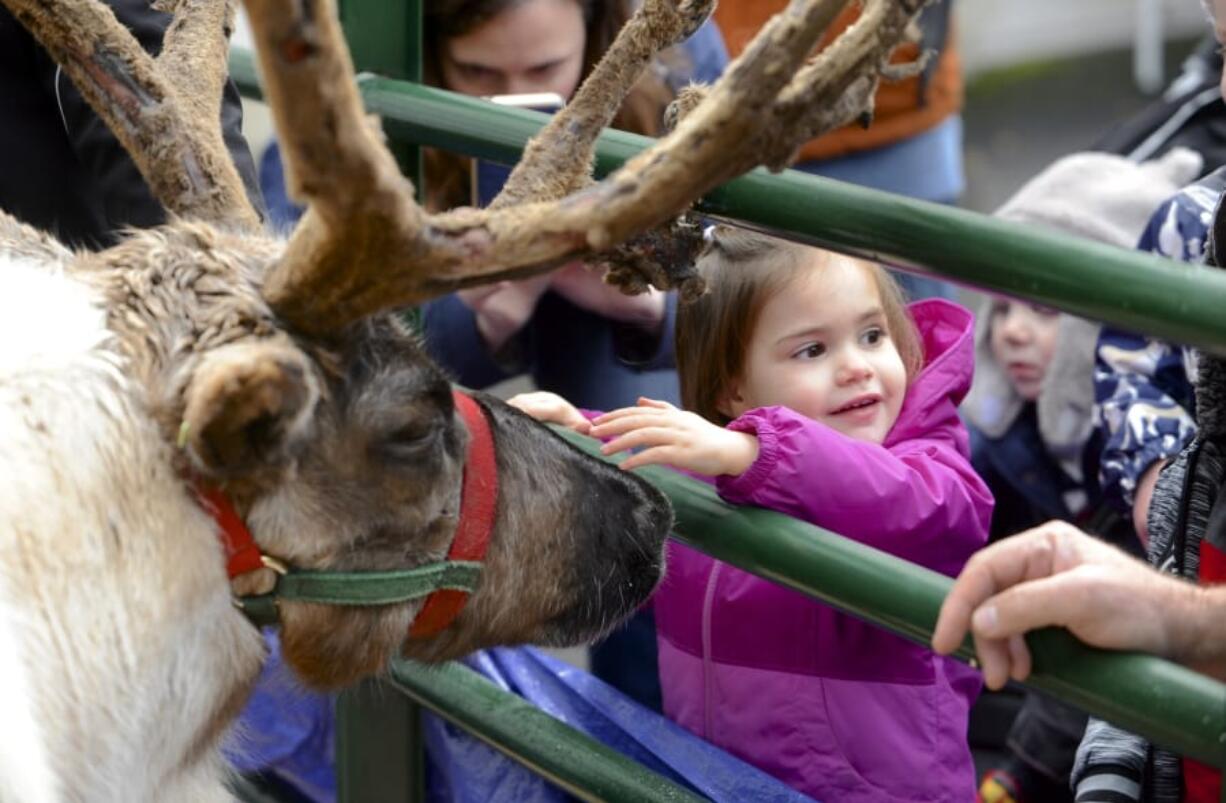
{"x":1101,"y":197}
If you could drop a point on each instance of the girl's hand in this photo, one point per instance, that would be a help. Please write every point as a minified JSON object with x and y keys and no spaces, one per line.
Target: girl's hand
{"x":676,"y":438}
{"x":550,"y":408}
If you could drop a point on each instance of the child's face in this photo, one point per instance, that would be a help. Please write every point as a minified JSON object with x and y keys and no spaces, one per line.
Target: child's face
{"x":1023,"y":342}
{"x":821,"y":347}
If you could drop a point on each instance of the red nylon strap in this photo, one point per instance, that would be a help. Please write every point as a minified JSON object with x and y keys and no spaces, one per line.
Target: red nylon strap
{"x":478,"y":502}
{"x":242,"y":555}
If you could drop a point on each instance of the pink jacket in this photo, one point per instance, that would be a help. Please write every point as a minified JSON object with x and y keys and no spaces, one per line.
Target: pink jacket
{"x":837,"y":708}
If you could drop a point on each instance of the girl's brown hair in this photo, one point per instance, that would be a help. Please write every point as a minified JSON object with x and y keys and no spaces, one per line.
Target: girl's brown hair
{"x":642,"y":112}
{"x":743,"y":270}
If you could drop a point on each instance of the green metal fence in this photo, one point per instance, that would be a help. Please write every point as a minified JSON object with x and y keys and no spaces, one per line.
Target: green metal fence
{"x":1167,"y":703}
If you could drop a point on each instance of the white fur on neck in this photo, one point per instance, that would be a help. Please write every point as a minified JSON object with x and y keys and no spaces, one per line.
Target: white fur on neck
{"x":117,"y":636}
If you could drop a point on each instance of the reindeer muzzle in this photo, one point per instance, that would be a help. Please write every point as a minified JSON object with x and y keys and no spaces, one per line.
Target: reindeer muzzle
{"x":446,"y":584}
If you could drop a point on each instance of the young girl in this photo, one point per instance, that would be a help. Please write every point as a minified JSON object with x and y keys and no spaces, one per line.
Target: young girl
{"x":813,"y":392}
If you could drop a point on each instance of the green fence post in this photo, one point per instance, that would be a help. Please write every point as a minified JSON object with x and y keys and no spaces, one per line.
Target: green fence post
{"x":379,"y":755}
{"x":379,"y":749}
{"x":386,"y":39}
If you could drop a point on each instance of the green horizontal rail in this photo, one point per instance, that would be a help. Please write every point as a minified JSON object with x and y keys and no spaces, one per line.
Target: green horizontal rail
{"x":1132,"y":290}
{"x":574,"y":761}
{"x":1167,"y":703}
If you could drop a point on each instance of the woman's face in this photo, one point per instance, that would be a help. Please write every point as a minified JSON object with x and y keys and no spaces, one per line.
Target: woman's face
{"x":532,"y":46}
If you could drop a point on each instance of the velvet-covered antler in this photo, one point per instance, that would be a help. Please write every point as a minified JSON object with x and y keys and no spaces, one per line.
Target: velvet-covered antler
{"x":365,"y":245}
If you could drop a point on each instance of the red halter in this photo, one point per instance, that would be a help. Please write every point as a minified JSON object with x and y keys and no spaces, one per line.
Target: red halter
{"x":478,"y":504}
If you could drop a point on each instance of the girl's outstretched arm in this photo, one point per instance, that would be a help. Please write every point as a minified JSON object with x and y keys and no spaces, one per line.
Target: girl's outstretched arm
{"x":672,"y":437}
{"x":919,"y":499}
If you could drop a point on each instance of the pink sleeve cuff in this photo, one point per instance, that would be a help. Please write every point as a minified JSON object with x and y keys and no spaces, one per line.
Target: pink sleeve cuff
{"x":740,"y":489}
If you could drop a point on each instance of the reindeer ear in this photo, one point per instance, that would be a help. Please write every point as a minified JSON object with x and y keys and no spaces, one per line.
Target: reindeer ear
{"x":248,"y":408}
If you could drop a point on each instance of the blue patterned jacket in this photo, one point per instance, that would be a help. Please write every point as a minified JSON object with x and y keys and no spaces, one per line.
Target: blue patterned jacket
{"x":1143,"y":387}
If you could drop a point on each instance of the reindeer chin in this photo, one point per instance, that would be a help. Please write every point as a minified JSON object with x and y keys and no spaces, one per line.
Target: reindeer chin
{"x":607,"y":592}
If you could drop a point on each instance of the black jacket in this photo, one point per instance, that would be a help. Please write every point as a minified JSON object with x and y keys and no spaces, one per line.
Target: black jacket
{"x":1189,"y":113}
{"x":63,"y":171}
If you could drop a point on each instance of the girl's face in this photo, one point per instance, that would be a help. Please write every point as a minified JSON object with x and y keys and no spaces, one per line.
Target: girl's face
{"x":821,"y":347}
{"x":1023,"y":342}
{"x":532,"y":46}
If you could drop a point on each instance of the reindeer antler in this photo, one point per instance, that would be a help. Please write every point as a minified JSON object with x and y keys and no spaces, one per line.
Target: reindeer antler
{"x":558,"y":160}
{"x":365,"y":245}
{"x":165,"y":113}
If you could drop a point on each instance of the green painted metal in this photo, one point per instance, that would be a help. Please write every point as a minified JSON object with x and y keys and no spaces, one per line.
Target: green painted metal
{"x":1169,"y":704}
{"x":244,"y":74}
{"x":379,"y":752}
{"x":1132,"y":290}
{"x":379,"y":749}
{"x":385,"y":39}
{"x":574,"y":761}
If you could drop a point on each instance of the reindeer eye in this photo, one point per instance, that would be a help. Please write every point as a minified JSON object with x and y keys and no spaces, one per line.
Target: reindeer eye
{"x":410,"y":442}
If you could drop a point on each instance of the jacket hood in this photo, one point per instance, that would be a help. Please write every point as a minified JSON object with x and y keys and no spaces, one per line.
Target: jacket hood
{"x":946,"y":331}
{"x":1065,"y":407}
{"x":1098,"y":196}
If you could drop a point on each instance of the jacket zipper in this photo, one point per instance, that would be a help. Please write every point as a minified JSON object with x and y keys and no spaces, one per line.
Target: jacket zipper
{"x":707,"y":667}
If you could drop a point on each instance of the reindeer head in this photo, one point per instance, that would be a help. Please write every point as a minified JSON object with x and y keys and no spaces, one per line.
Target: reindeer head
{"x":275,"y":369}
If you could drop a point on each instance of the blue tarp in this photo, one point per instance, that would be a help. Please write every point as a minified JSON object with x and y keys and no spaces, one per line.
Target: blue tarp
{"x":465,"y":770}
{"x":289,"y":731}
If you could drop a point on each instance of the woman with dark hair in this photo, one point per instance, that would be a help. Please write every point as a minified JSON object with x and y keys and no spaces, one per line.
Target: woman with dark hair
{"x":507,"y":47}
{"x":567,"y":330}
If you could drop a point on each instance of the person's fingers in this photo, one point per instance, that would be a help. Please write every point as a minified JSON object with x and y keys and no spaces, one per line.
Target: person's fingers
{"x":644,"y":406}
{"x":1019,"y":658}
{"x":639,"y":438}
{"x":656,"y":455}
{"x":529,"y":403}
{"x":1046,"y":602}
{"x":569,"y":417}
{"x":551,"y":409}
{"x":618,"y":414}
{"x":997,"y":567}
{"x":993,"y":655}
{"x":626,"y":423}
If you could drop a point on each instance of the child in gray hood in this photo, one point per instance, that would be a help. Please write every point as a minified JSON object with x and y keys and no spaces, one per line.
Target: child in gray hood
{"x":1031,"y":416}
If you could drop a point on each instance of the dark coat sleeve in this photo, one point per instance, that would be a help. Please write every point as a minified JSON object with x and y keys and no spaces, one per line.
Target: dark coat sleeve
{"x":105,"y":171}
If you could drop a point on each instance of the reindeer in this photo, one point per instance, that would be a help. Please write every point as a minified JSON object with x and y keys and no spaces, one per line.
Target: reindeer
{"x":204,"y":373}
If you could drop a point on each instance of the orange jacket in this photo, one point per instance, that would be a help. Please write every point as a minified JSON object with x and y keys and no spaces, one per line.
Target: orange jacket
{"x":899,"y":113}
